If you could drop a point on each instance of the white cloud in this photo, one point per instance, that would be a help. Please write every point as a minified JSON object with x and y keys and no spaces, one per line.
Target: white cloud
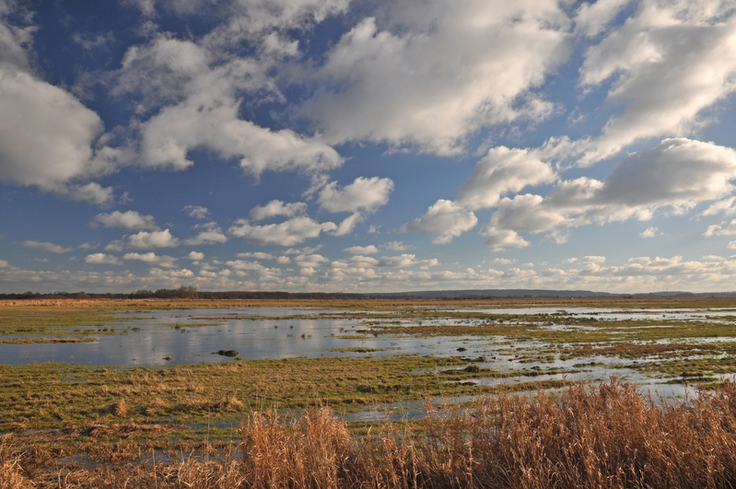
{"x":258,"y":254}
{"x":288,"y":233}
{"x":195,"y":255}
{"x":406,"y":260}
{"x":361,"y":250}
{"x":348,"y":224}
{"x":102,"y":259}
{"x":725,"y":207}
{"x":667,"y":63}
{"x":172,"y":133}
{"x":364,"y":194}
{"x":593,"y":259}
{"x":722,"y":229}
{"x":651,"y":232}
{"x":364,"y":261}
{"x":395,"y":246}
{"x":677,"y":171}
{"x":90,"y":192}
{"x":210,"y":236}
{"x":46,"y":246}
{"x":445,"y":219}
{"x":152,"y":259}
{"x":196,"y":211}
{"x":59,"y":146}
{"x":129,"y":220}
{"x":503,"y":171}
{"x":192,"y":90}
{"x":277,"y":208}
{"x":523,"y":213}
{"x":433,"y":76}
{"x":51,"y":139}
{"x":677,"y":174}
{"x":592,"y":18}
{"x":309,"y":261}
{"x":244,"y":265}
{"x":153,"y":239}
{"x":307,"y":250}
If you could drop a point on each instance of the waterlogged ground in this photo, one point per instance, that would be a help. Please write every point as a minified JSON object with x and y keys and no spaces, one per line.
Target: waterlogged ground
{"x":662,"y":345}
{"x":149,"y":372}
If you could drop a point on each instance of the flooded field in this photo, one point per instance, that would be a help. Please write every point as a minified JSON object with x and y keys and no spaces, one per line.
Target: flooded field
{"x":660,"y":349}
{"x":96,"y":383}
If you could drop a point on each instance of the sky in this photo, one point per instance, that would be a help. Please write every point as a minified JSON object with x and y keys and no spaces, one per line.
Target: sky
{"x":367,"y":146}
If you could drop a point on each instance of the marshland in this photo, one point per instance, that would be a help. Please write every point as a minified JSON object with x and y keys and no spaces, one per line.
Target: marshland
{"x":368,"y":393}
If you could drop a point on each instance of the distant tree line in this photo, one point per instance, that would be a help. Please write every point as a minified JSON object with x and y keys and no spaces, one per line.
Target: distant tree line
{"x":184,"y":292}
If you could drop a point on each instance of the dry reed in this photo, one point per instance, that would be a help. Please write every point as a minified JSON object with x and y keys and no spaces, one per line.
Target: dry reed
{"x":604,"y":436}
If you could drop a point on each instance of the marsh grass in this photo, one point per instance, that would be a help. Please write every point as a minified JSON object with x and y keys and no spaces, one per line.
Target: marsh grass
{"x":589,"y":436}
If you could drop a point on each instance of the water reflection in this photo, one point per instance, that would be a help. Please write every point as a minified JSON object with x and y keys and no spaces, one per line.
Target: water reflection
{"x":192,"y":336}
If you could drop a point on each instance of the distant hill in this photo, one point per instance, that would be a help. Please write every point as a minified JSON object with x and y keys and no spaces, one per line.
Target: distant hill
{"x":534,"y":293}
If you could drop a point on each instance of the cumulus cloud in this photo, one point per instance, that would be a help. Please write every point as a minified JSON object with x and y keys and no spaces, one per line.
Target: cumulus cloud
{"x":406,"y":260}
{"x":395,"y":246}
{"x":195,"y":255}
{"x":430,"y":77}
{"x":244,"y":265}
{"x":309,"y":261}
{"x":91,"y":192}
{"x":676,"y":174}
{"x":102,"y":259}
{"x":725,"y":207}
{"x":196,"y":211}
{"x":210,"y":236}
{"x":277,"y":208}
{"x":677,"y":171}
{"x":152,"y":259}
{"x":651,"y":232}
{"x":445,"y":219}
{"x":348,"y":224}
{"x":288,"y":233}
{"x":153,"y":239}
{"x":192,"y":90}
{"x":364,"y":194}
{"x":721,"y":229}
{"x":258,"y":254}
{"x":592,"y":18}
{"x":46,"y":246}
{"x":129,"y":220}
{"x":503,"y":171}
{"x":362,"y":250}
{"x":171,"y":134}
{"x":63,"y":146}
{"x":668,"y":63}
{"x":593,"y":259}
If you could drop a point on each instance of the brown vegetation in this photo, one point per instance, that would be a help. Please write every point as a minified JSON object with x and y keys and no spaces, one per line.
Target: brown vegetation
{"x":606,"y":436}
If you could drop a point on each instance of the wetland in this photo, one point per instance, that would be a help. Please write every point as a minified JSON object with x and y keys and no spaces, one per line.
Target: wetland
{"x":186,"y":374}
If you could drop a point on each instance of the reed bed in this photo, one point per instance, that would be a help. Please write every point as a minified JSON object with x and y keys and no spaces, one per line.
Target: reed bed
{"x":588,"y":436}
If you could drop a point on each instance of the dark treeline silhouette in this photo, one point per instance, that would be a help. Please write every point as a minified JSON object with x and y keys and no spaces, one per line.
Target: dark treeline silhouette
{"x":184,"y":292}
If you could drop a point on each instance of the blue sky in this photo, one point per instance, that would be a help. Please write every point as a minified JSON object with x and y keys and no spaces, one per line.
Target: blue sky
{"x":362,"y":146}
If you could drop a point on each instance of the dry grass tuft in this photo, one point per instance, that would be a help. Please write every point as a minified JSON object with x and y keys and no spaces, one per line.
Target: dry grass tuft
{"x":121,"y":408}
{"x":12,"y":475}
